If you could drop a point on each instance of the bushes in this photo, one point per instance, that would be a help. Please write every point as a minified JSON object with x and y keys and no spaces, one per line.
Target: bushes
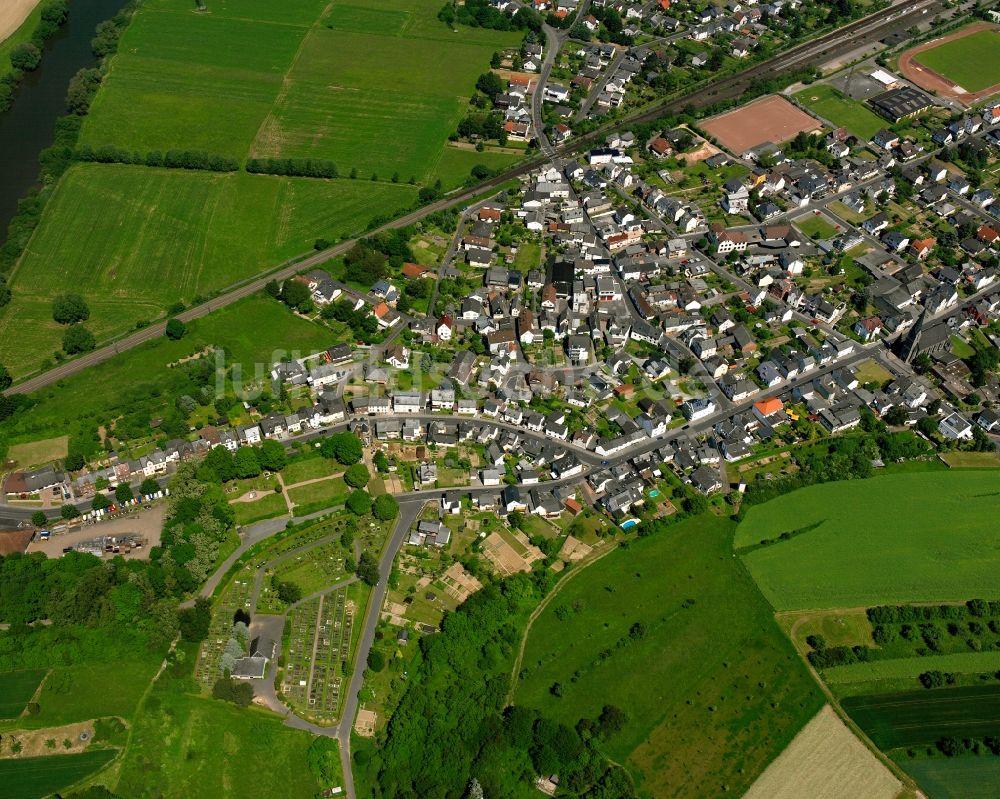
{"x":78,"y":339}
{"x":68,"y":309}
{"x":82,"y":88}
{"x":25,"y":57}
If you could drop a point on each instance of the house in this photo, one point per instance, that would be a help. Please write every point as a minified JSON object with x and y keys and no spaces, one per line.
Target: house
{"x":956,"y":427}
{"x":868,"y":329}
{"x":660,"y":147}
{"x":443,"y":329}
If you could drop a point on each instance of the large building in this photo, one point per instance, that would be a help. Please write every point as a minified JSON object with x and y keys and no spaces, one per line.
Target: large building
{"x":901,"y":103}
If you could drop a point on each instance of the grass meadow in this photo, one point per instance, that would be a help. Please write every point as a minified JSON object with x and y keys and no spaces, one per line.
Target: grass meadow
{"x":248,"y":331}
{"x":16,"y":689}
{"x":830,"y":104}
{"x":713,"y":690}
{"x":972,"y":62}
{"x":267,"y":507}
{"x":37,"y":777}
{"x":897,"y":668}
{"x":134,"y":240}
{"x":890,"y":539}
{"x":919,"y":718}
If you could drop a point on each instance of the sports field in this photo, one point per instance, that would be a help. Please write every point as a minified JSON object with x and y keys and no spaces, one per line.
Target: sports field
{"x":919,"y":718}
{"x":968,"y":777}
{"x":770,"y":119}
{"x":972,"y":62}
{"x":37,"y":777}
{"x":830,"y":104}
{"x":134,"y":240}
{"x":712,"y":688}
{"x":16,"y":688}
{"x":825,"y":761}
{"x":891,"y":539}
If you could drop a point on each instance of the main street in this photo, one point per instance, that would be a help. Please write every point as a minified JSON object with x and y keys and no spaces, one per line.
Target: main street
{"x":816,"y":51}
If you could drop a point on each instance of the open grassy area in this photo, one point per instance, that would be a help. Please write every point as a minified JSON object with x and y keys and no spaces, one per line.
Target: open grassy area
{"x":455,"y":164}
{"x":134,"y":240}
{"x":205,"y":748}
{"x":895,"y":668}
{"x":248,"y":331}
{"x":830,"y":104}
{"x":39,"y":452}
{"x":972,"y":460}
{"x":317,"y":496}
{"x":80,"y":692}
{"x":16,"y":688}
{"x":825,"y":761}
{"x":956,"y":777}
{"x":267,"y":507}
{"x":815,"y":227}
{"x":972,"y":62}
{"x":37,"y":777}
{"x":302,"y":469}
{"x":919,"y":718}
{"x":712,"y":688}
{"x":891,"y":539}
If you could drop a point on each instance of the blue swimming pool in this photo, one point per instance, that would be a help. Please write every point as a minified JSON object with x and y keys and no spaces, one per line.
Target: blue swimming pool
{"x":655,"y":492}
{"x":628,"y":524}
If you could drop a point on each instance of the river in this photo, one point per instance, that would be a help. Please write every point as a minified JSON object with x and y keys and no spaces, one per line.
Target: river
{"x":28,"y":127}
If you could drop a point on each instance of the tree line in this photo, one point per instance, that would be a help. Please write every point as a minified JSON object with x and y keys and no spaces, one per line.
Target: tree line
{"x":27,"y":56}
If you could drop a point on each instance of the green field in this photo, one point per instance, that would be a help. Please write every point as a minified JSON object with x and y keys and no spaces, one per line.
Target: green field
{"x":713,"y":690}
{"x":318,"y":496}
{"x":248,"y":331}
{"x":972,"y":62}
{"x":815,"y":227}
{"x":968,"y":777}
{"x":919,"y":718}
{"x":207,"y":749}
{"x":267,"y":507}
{"x":16,"y":688}
{"x":20,"y":36}
{"x":305,"y":468}
{"x":890,"y":539}
{"x":37,"y":777}
{"x":133,"y":241}
{"x":895,"y":668}
{"x":77,"y":693}
{"x":830,"y":104}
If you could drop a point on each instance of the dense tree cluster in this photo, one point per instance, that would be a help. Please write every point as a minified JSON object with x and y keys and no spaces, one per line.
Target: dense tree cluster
{"x":68,"y":309}
{"x":198,"y":160}
{"x":480,"y":14}
{"x":293,"y":167}
{"x":451,"y":736}
{"x":345,"y":447}
{"x":78,"y":339}
{"x":363,"y":325}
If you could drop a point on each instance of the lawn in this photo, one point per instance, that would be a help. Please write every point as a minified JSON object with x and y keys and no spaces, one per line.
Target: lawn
{"x":37,"y":777}
{"x":318,"y":496}
{"x":267,"y":507}
{"x":82,"y":692}
{"x":815,"y":226}
{"x":455,"y":164}
{"x":248,"y":331}
{"x":972,"y":460}
{"x":919,"y":718}
{"x":890,"y":539}
{"x":133,"y":241}
{"x":305,"y":468}
{"x":872,"y":372}
{"x":972,"y":62}
{"x":712,"y":688}
{"x":956,"y":777}
{"x":16,"y":688}
{"x":39,"y":452}
{"x":207,"y":749}
{"x":830,"y":104}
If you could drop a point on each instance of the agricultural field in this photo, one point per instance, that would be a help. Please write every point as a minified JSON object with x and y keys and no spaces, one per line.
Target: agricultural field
{"x":890,"y":539}
{"x":897,"y":668}
{"x":712,"y":688}
{"x":827,"y":102}
{"x":919,"y":718}
{"x":972,"y":62}
{"x":208,"y":749}
{"x":956,"y":777}
{"x":109,"y":229}
{"x":825,"y":761}
{"x":37,"y":777}
{"x":16,"y":689}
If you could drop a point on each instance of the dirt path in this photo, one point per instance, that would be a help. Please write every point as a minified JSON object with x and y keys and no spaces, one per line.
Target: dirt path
{"x":930,"y":80}
{"x":13,"y":13}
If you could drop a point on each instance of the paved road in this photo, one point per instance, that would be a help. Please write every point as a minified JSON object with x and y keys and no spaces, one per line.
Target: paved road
{"x":409,"y":509}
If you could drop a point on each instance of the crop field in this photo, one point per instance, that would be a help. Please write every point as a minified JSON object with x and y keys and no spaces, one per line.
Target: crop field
{"x":133,"y":241}
{"x":368,"y":91}
{"x":956,"y":777}
{"x":712,"y":688}
{"x":890,"y":539}
{"x":206,"y":749}
{"x":972,"y":62}
{"x":830,"y":104}
{"x":825,"y":761}
{"x":895,"y":668}
{"x":919,"y":718}
{"x":37,"y":777}
{"x":16,"y":688}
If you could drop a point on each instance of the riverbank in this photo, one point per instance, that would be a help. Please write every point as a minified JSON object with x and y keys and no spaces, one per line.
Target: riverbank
{"x":13,"y":13}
